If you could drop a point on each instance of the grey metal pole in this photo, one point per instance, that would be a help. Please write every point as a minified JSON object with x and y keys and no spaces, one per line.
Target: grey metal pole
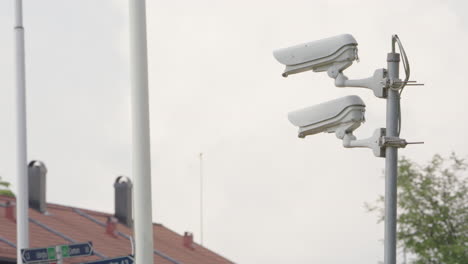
{"x":22,"y":226}
{"x":391,"y":161}
{"x":141,"y":157}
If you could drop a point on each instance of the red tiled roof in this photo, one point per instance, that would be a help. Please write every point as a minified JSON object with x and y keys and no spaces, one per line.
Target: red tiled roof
{"x":69,"y":222}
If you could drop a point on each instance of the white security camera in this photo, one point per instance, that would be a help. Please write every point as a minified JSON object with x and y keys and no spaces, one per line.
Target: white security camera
{"x":331,"y":54}
{"x":340,"y":116}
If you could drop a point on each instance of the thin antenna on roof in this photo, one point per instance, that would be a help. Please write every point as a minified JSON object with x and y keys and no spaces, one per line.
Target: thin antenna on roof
{"x":201,"y":198}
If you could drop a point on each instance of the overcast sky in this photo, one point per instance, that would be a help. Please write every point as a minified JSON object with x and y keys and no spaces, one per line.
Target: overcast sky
{"x":215,"y":88}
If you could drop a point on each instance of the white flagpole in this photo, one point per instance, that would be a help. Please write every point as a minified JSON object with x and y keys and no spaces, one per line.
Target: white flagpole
{"x":22,"y":225}
{"x":141,"y":156}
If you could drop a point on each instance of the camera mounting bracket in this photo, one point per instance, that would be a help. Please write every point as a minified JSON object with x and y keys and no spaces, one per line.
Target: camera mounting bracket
{"x":377,"y":83}
{"x":374,"y":142}
{"x":377,"y":142}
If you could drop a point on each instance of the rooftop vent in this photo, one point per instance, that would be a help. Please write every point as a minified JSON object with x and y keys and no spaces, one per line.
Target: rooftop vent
{"x":188,"y":240}
{"x":111,"y":226}
{"x":37,"y":185}
{"x":10,"y":210}
{"x":123,"y":200}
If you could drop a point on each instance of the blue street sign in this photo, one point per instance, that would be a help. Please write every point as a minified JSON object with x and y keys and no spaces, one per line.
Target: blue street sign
{"x":118,"y":260}
{"x":29,"y":255}
{"x":34,"y":255}
{"x":37,"y":254}
{"x":77,"y":250}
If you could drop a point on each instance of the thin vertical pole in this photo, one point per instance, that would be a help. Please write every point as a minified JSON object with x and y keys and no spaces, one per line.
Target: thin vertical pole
{"x":391,"y":161}
{"x":59,"y":254}
{"x":141,"y":156}
{"x":22,"y":226}
{"x":201,"y":199}
{"x":404,"y":255}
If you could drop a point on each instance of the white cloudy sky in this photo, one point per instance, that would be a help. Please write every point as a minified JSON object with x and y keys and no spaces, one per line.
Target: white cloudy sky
{"x":216,"y":88}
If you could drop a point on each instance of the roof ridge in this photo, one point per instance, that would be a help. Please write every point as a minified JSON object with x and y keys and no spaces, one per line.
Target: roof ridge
{"x":60,"y":206}
{"x":71,"y":208}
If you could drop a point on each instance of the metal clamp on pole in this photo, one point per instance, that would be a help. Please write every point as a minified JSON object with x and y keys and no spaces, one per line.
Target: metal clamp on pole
{"x":396,"y":142}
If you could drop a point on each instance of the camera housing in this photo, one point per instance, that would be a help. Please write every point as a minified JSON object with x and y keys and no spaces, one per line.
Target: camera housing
{"x":332,"y":54}
{"x":340,"y":116}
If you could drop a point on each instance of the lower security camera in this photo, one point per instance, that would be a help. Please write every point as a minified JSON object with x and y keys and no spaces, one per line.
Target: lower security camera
{"x":340,"y":116}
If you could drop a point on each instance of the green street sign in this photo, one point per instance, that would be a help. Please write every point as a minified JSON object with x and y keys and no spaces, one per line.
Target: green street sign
{"x":51,"y":253}
{"x":65,"y":251}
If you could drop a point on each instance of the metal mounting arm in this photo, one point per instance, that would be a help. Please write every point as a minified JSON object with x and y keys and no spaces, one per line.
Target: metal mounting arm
{"x":377,"y":83}
{"x":374,"y":142}
{"x":378,"y":142}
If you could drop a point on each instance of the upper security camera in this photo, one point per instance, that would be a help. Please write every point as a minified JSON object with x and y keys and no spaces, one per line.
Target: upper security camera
{"x":331,"y":54}
{"x":341,"y":116}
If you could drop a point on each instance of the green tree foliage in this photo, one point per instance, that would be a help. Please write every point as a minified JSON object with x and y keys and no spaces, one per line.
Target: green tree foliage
{"x":4,"y":188}
{"x":432,"y":219}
